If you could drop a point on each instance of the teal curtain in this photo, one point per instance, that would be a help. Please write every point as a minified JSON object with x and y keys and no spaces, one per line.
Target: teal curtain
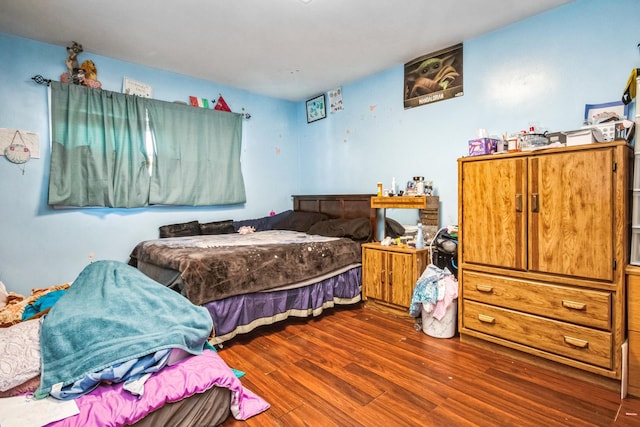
{"x":197,"y":159}
{"x":98,"y":155}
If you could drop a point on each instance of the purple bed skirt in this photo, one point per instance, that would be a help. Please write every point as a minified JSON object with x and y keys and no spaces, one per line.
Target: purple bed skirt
{"x":243,"y":313}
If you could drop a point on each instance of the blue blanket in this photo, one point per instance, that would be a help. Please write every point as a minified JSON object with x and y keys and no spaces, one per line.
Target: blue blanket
{"x":113,"y":313}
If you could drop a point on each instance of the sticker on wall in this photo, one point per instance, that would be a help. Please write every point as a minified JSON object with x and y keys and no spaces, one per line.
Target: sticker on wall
{"x":433,"y":77}
{"x":335,"y":100}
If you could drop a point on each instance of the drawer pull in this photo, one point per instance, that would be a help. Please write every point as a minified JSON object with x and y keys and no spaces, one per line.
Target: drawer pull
{"x":486,"y":319}
{"x":484,"y":288}
{"x":576,"y":342}
{"x":574,"y":305}
{"x":535,"y":204}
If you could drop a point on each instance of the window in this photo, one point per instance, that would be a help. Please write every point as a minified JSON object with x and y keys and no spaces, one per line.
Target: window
{"x":115,"y":150}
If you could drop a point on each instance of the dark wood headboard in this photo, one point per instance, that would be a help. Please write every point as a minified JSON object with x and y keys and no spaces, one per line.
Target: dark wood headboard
{"x":344,"y":206}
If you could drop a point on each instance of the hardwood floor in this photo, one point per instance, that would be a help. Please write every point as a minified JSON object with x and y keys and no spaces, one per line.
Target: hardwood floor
{"x":360,"y":367}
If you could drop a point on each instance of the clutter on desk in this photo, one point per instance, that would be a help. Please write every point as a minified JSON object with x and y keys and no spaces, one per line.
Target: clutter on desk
{"x":417,"y":186}
{"x":602,"y":123}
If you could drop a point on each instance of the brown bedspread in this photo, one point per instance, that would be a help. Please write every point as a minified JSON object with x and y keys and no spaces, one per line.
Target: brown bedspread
{"x":219,"y":266}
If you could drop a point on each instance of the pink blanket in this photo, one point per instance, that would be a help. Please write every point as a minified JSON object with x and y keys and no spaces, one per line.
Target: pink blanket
{"x":110,"y":405}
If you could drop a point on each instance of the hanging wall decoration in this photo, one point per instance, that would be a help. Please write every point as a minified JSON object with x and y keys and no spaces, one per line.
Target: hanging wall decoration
{"x":433,"y":77}
{"x":316,"y":108}
{"x":15,"y":137}
{"x":335,"y":100}
{"x":17,"y":152}
{"x":195,"y":101}
{"x":221,"y":105}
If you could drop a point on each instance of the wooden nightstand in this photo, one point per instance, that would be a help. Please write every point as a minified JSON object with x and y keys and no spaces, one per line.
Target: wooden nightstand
{"x":389,"y":274}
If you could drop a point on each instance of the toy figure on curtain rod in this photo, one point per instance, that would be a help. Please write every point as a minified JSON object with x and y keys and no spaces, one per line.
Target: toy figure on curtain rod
{"x":85,"y":74}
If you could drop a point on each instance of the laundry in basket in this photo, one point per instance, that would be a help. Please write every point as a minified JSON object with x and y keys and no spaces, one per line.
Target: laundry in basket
{"x":434,"y":302}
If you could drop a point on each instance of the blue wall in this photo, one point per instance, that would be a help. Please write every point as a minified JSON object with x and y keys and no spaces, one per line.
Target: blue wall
{"x":40,"y":246}
{"x":543,"y":69}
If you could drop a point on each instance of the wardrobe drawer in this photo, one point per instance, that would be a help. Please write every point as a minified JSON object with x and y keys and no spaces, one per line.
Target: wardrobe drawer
{"x":633,"y":302}
{"x":575,"y":305}
{"x":634,"y":361}
{"x":576,"y":342}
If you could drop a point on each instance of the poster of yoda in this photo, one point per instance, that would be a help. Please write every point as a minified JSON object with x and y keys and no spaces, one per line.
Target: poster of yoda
{"x":433,"y":77}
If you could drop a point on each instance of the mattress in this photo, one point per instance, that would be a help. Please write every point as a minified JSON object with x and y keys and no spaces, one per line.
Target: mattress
{"x":214,"y":267}
{"x":207,"y":409}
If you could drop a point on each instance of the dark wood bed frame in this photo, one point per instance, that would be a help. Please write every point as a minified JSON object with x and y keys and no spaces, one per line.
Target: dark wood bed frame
{"x":343,"y":206}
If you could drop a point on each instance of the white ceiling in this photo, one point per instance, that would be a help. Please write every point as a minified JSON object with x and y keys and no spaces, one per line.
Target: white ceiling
{"x":290,"y":49}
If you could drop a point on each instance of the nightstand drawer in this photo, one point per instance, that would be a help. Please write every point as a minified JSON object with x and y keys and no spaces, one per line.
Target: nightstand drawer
{"x":576,"y":342}
{"x":575,"y":305}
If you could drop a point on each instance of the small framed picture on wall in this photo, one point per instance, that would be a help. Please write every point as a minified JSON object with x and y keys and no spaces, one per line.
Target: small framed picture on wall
{"x":316,"y":108}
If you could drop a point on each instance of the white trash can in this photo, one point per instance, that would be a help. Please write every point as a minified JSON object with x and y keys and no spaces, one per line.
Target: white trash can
{"x":445,"y":328}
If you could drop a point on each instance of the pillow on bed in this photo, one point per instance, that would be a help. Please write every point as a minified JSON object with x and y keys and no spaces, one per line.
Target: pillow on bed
{"x":393,"y":228}
{"x":20,"y":349}
{"x":262,"y":224}
{"x":191,"y":228}
{"x":217,"y":227}
{"x":299,"y":221}
{"x":358,"y":229}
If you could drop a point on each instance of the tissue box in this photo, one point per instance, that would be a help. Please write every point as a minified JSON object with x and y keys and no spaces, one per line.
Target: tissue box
{"x":481,"y":146}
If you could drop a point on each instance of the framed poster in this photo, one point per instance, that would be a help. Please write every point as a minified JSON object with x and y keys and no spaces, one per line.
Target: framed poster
{"x":433,"y":77}
{"x":316,"y":108}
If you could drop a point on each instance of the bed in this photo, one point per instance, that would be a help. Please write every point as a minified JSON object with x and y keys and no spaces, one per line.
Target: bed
{"x":296,"y":263}
{"x":84,"y":358}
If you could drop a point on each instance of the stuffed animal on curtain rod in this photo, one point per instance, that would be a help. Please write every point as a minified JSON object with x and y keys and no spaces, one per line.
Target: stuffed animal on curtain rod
{"x":73,"y":68}
{"x":85,"y":74}
{"x":90,"y":70}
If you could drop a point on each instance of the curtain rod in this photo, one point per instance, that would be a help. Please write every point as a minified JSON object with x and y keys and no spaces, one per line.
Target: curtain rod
{"x":42,"y":81}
